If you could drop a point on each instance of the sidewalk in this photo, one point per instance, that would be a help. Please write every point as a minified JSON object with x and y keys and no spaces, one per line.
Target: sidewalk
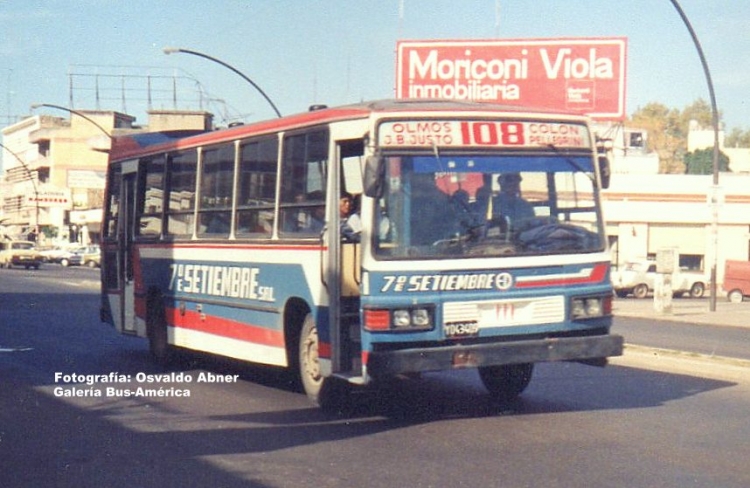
{"x":687,"y":310}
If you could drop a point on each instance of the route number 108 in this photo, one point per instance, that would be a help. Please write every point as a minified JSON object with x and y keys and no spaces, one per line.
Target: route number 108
{"x":493,"y":133}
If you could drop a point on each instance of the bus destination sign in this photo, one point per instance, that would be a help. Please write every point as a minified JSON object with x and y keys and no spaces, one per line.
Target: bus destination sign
{"x":482,"y":133}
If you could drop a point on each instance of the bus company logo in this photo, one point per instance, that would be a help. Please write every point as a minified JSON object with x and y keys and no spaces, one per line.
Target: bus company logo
{"x":447,"y":282}
{"x":224,"y":281}
{"x":504,"y":281}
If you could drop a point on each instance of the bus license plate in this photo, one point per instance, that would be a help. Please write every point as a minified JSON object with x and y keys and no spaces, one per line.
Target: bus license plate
{"x":461,"y":329}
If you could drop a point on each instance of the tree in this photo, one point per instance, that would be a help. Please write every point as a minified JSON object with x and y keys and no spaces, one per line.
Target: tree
{"x":737,"y":138}
{"x":668,"y":130}
{"x":701,"y":162}
{"x":666,"y":136}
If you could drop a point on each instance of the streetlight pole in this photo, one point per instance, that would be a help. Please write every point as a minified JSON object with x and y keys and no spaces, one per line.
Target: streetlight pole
{"x":171,"y":50}
{"x":33,"y":183}
{"x":715,"y":123}
{"x":74,"y":112}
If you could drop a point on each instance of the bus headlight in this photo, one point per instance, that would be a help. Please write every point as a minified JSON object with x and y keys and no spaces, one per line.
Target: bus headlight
{"x":400,"y":319}
{"x":590,"y":307}
{"x":420,"y":317}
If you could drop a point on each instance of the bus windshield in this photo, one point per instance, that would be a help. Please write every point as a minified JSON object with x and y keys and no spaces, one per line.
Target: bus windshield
{"x":458,"y":206}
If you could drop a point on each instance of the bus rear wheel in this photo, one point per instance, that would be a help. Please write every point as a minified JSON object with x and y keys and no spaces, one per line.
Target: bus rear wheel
{"x":508,"y":381}
{"x":156,"y":331}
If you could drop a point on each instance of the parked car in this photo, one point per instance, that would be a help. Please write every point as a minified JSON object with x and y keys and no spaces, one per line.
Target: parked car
{"x":91,"y":256}
{"x":638,"y":278}
{"x":20,"y":253}
{"x":66,"y":256}
{"x":736,"y":280}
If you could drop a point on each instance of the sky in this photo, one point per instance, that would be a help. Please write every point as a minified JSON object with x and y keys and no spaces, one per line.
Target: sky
{"x":303,"y":52}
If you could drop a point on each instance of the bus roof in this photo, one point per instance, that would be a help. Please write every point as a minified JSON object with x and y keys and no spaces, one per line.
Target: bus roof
{"x":134,"y":145}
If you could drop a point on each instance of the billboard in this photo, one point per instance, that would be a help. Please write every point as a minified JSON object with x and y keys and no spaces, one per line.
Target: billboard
{"x":581,"y":75}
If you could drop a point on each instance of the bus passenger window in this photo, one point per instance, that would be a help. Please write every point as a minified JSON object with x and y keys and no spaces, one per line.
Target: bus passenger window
{"x":182,"y":168}
{"x":111,"y":212}
{"x":303,"y":183}
{"x":151,"y":197}
{"x":256,"y":193}
{"x":216,"y":187}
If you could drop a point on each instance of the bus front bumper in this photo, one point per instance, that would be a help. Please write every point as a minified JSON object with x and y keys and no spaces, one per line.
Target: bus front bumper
{"x":590,"y":350}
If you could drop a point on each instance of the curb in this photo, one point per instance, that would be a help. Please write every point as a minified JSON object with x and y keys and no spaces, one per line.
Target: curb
{"x":657,"y":351}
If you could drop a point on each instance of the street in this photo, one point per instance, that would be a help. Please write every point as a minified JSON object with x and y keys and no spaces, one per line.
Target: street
{"x":67,"y":419}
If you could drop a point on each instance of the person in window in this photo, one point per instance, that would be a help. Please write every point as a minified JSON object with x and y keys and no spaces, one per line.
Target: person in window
{"x":317,"y":217}
{"x":349,"y":221}
{"x":509,"y":209}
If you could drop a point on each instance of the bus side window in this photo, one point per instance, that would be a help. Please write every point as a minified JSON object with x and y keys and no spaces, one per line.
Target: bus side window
{"x":112,"y":209}
{"x":216,"y":185}
{"x":256,"y":194}
{"x":303,"y":183}
{"x":181,"y":179}
{"x":151,"y":197}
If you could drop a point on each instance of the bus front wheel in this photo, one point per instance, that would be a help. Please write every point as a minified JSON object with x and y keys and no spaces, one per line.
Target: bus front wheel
{"x":326,"y":392}
{"x":309,"y":361}
{"x":508,"y":381}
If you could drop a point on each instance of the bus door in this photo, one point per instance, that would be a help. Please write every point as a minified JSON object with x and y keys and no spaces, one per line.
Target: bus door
{"x":125,"y":246}
{"x":343,"y":260}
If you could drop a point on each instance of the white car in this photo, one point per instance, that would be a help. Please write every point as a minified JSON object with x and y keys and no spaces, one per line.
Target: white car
{"x":638,"y":278}
{"x":20,"y":253}
{"x":65,"y":256}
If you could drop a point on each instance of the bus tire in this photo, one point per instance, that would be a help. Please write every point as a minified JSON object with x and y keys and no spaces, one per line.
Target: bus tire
{"x":156,"y":331}
{"x":506,"y":382}
{"x":309,"y":362}
{"x":326,"y":392}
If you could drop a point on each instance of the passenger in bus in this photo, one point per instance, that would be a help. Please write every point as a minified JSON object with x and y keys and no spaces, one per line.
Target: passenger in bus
{"x":509,"y":209}
{"x":349,"y":223}
{"x":317,"y":217}
{"x":433,"y":215}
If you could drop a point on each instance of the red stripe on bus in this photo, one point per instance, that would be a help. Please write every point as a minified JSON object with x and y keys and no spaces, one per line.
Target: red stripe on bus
{"x":124,"y":148}
{"x":235,"y":245}
{"x":224,"y":328}
{"x":324,"y":350}
{"x":598,"y":274}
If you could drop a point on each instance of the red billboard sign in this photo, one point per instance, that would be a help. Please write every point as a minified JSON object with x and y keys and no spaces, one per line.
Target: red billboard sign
{"x":582,"y":75}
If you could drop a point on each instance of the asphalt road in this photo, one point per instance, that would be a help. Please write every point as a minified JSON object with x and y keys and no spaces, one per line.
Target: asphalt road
{"x":709,"y":340}
{"x":635,"y":423}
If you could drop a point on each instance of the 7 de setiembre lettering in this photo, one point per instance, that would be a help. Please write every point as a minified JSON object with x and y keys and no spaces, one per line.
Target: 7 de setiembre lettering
{"x":226,"y":281}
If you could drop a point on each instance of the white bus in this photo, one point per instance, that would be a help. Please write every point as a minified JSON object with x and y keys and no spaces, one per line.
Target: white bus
{"x":478,"y":243}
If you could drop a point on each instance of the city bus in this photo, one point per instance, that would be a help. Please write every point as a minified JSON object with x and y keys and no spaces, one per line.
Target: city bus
{"x":233,"y":242}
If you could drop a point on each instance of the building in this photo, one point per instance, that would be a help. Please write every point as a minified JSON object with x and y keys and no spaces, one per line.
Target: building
{"x":55,"y":169}
{"x":646,"y":211}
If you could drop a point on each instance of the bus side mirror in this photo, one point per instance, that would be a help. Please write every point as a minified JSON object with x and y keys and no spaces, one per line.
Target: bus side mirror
{"x":374,"y":178}
{"x":604,"y":171}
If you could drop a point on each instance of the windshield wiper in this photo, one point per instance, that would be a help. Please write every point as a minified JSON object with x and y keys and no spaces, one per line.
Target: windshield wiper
{"x":572,"y":162}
